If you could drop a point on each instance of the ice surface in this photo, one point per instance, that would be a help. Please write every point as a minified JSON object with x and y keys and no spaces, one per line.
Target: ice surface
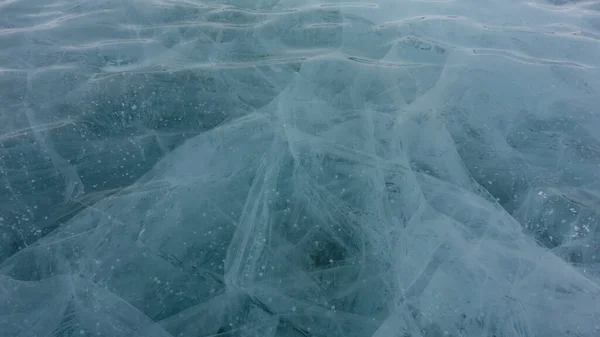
{"x":290,"y":168}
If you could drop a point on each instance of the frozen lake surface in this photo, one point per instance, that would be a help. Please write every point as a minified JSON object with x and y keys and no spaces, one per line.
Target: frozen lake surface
{"x":392,"y":168}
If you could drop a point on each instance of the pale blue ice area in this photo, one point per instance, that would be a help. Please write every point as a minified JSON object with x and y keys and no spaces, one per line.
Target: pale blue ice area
{"x":300,"y":168}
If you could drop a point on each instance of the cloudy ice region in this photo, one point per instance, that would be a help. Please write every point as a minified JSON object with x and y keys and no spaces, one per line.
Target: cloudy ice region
{"x":300,"y":168}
